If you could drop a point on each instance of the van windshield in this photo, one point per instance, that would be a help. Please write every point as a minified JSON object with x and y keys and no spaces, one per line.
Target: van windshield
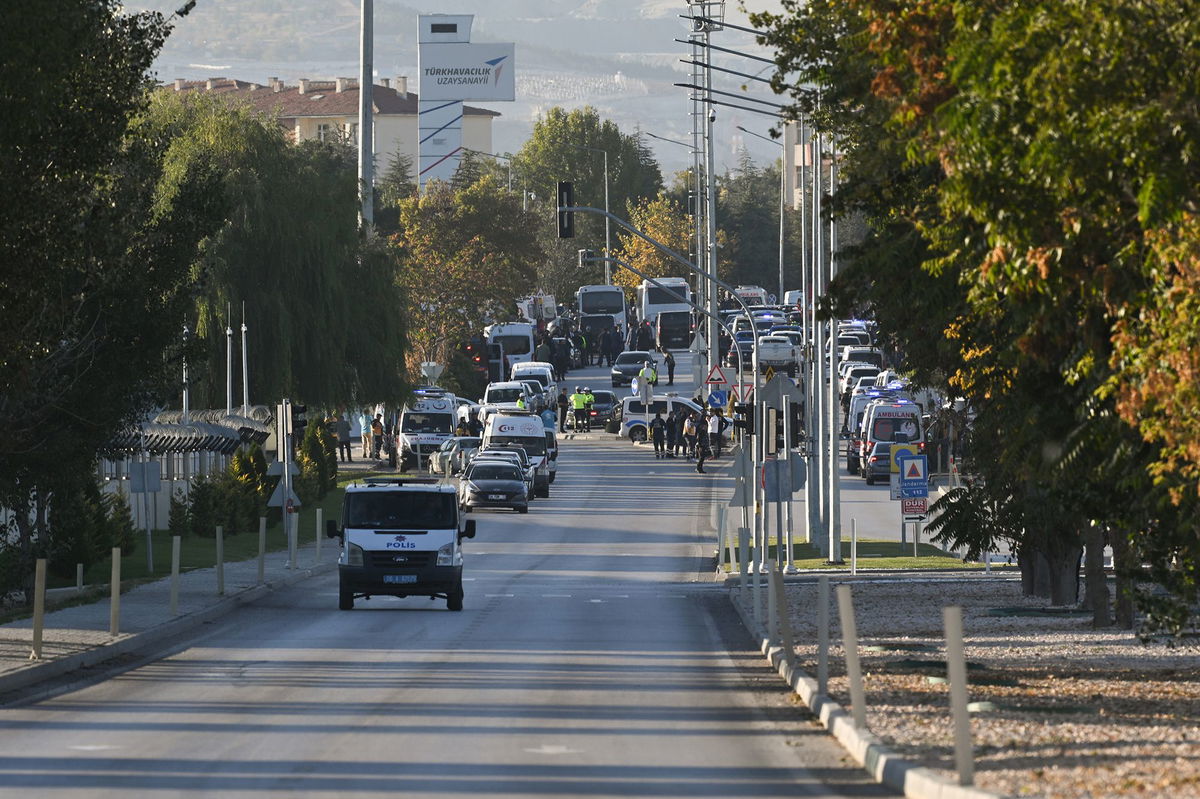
{"x":504,"y":394}
{"x":660,"y":296}
{"x":896,"y":428}
{"x":532,"y":445}
{"x":540,"y":380}
{"x":427,"y":423}
{"x":513,"y":345}
{"x":422,"y":510}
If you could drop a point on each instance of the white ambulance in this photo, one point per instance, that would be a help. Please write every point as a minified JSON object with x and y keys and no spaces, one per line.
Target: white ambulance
{"x":525,"y":430}
{"x":426,"y":422}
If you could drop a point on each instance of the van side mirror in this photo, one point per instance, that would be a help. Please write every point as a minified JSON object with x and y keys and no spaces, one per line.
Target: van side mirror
{"x":468,"y":530}
{"x":331,"y":529}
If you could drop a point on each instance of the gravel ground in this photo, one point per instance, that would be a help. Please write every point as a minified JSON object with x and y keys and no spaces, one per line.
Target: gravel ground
{"x":1075,"y":712}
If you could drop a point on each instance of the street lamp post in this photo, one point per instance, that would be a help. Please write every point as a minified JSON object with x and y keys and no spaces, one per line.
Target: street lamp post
{"x":782,"y":202}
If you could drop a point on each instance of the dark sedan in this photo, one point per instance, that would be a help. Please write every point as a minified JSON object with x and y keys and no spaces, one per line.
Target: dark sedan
{"x":628,"y":364}
{"x":602,"y":408}
{"x":493,"y":485}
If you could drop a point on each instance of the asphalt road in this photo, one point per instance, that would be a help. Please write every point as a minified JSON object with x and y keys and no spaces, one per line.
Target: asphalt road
{"x":595,"y":657}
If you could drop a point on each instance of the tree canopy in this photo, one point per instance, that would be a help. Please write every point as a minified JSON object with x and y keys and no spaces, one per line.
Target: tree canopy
{"x":1028,"y":172}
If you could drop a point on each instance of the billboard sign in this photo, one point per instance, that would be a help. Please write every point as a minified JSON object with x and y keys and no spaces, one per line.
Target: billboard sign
{"x":467,"y":71}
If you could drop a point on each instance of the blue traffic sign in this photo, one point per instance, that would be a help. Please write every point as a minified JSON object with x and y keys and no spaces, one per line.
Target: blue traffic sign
{"x":914,"y":493}
{"x":718,"y":399}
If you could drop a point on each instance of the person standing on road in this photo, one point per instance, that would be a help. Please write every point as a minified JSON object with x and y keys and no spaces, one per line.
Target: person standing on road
{"x":669,"y":361}
{"x":563,"y":404}
{"x":672,"y":433}
{"x":376,"y":435}
{"x":342,"y":426}
{"x":715,"y":427}
{"x":689,"y":435}
{"x":615,"y":342}
{"x":604,"y":344}
{"x":658,"y":434}
{"x":702,"y":444}
{"x":364,"y":432}
{"x":589,"y":399}
{"x":579,"y":408}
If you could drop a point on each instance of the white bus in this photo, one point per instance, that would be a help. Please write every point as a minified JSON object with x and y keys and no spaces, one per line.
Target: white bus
{"x":653,"y":300}
{"x":602,"y":301}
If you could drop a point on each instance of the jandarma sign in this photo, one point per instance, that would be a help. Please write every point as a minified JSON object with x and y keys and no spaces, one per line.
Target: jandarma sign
{"x":460,"y":71}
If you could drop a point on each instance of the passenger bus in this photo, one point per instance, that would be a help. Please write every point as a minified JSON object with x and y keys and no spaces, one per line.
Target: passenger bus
{"x":603,"y":301}
{"x":653,"y":300}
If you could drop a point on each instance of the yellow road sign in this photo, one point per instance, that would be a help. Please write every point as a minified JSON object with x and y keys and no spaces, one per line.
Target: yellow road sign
{"x":902,"y":450}
{"x":769,"y":374}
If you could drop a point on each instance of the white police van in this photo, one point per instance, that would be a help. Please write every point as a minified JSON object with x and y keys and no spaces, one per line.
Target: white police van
{"x":401,"y":537}
{"x":426,"y":422}
{"x":635,"y":416}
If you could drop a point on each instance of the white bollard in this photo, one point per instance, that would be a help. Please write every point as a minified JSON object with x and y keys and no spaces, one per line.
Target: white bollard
{"x":854,"y":546}
{"x":850,"y":645}
{"x":823,"y":635}
{"x":743,"y":561}
{"x":175,"y":544}
{"x":772,"y":609}
{"x":78,"y":576}
{"x":114,"y":607}
{"x":39,"y":607}
{"x":317,"y":556}
{"x":956,"y":672}
{"x":220,"y":561}
{"x":262,"y":549}
{"x":784,"y":620}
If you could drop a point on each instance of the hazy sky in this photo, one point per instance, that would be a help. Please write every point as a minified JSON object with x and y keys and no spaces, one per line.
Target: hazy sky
{"x":617,"y":55}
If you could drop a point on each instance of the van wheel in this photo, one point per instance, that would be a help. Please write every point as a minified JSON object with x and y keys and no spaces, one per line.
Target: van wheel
{"x":345,"y":599}
{"x":637,"y":435}
{"x":454,"y":601}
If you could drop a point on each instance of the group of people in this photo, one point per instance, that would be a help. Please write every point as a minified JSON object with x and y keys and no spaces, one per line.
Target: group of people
{"x":580,"y":404}
{"x":697,"y":436}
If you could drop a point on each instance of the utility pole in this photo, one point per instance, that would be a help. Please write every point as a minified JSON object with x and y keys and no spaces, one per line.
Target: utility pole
{"x":366,"y":137}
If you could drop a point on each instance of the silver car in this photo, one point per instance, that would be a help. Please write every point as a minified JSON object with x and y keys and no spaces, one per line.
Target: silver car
{"x":453,"y":455}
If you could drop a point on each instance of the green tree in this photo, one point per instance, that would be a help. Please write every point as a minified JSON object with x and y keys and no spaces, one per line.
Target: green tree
{"x":466,"y":254}
{"x":557,"y":150}
{"x":289,"y":252}
{"x":95,"y":245}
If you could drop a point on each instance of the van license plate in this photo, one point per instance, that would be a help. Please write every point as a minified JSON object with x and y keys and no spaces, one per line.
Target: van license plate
{"x":399,"y":578}
{"x":496,"y":496}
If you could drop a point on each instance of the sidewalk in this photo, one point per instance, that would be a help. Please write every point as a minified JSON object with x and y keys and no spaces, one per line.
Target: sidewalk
{"x":77,"y":637}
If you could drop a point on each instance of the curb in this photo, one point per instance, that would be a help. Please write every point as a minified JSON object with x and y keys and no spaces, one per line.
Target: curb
{"x":40,"y":672}
{"x":885,"y":766}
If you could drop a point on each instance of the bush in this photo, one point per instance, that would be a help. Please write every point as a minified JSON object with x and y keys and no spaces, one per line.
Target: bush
{"x":79,"y":531}
{"x":179,"y":519}
{"x":118,"y":524}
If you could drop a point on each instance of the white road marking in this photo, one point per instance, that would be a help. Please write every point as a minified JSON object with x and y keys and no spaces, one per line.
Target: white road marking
{"x":93,"y":747}
{"x":500,"y":595}
{"x":548,"y":749}
{"x":556,"y":596}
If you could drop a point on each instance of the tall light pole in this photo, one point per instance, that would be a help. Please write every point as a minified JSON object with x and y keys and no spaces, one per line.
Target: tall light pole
{"x":782,"y":202}
{"x":366,"y":137}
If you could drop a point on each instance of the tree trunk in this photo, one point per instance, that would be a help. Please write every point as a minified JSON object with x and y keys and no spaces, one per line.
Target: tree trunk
{"x":1063,"y":576}
{"x":1027,"y":561}
{"x":1125,"y":580}
{"x":1096,"y":579}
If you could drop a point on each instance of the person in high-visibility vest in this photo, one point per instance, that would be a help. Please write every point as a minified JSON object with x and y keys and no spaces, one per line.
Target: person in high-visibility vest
{"x":578,"y":402}
{"x":521,"y":404}
{"x":589,"y":399}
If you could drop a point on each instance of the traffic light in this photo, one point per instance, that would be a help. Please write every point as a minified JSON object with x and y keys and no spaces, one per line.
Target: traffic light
{"x":743,"y":417}
{"x":773,"y":426}
{"x":299,"y":419}
{"x":566,"y":219}
{"x":797,"y":424}
{"x":585,"y":256}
